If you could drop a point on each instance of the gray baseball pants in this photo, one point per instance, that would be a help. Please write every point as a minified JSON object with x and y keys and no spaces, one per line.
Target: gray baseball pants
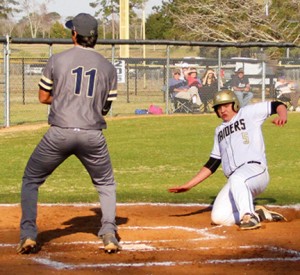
{"x":89,"y":146}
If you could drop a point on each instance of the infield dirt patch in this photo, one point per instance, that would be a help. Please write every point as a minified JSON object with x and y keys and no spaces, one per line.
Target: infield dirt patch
{"x":156,"y":239}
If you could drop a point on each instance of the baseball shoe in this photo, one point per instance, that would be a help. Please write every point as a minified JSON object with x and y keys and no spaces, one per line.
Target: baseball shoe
{"x":249,"y":221}
{"x":27,"y":246}
{"x":110,"y":242}
{"x":267,"y":215}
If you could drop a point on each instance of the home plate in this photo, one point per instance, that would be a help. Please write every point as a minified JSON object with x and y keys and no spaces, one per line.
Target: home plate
{"x":134,"y":247}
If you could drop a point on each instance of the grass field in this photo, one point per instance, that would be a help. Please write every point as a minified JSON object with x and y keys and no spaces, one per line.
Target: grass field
{"x":150,"y":154}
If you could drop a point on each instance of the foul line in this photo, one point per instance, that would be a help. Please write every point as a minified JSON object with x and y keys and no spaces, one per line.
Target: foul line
{"x":295,"y":206}
{"x":59,"y":265}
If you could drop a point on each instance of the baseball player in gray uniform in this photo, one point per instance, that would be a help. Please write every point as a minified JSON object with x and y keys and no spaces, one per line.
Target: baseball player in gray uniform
{"x":239,"y":146}
{"x":80,"y":84}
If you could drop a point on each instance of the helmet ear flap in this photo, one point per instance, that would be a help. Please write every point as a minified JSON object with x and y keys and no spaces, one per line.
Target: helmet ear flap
{"x":236,"y":106}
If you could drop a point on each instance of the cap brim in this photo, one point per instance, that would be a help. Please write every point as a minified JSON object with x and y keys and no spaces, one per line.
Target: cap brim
{"x":69,"y":24}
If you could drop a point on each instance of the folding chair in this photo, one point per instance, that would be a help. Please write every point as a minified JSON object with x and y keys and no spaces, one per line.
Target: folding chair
{"x":281,"y":97}
{"x":179,"y":105}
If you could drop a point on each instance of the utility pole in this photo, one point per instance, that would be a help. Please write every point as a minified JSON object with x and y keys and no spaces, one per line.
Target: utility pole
{"x":124,"y":27}
{"x":267,"y":7}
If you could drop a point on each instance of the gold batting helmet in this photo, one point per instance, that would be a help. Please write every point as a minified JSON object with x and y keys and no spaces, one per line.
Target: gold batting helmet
{"x":226,"y":96}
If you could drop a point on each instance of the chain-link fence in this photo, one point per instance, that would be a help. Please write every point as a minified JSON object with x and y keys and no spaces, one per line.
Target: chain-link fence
{"x":141,"y":76}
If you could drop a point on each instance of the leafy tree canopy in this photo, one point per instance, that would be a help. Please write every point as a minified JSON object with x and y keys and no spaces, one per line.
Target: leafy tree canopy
{"x":227,"y":20}
{"x":8,"y":7}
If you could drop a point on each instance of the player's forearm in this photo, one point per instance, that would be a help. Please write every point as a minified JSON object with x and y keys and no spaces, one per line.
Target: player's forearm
{"x":45,"y":97}
{"x":106,"y":107}
{"x":203,"y":174}
{"x":282,"y":112}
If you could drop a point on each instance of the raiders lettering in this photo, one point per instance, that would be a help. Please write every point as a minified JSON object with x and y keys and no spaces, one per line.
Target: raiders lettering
{"x":239,"y":125}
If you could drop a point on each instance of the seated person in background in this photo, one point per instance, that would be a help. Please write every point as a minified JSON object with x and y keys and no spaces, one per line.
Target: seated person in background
{"x":288,"y":90}
{"x":192,"y":79}
{"x":209,"y":87}
{"x":184,"y":71}
{"x":180,"y":89}
{"x":241,"y":87}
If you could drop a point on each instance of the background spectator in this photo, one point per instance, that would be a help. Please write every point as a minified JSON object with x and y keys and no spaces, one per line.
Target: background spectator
{"x":209,"y":87}
{"x":288,"y":91}
{"x":241,"y":87}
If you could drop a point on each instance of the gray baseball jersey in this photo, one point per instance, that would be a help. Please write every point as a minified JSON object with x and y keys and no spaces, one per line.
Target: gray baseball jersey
{"x":81,"y":82}
{"x":79,"y":92}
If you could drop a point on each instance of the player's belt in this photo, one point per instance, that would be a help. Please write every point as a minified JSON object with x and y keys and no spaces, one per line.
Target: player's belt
{"x":253,"y":161}
{"x":248,"y":162}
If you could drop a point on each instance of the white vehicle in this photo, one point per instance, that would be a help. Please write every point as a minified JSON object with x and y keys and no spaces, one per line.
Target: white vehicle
{"x":32,"y":69}
{"x":189,"y":62}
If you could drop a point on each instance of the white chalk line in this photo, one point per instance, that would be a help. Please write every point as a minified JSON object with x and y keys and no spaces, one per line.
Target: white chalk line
{"x":295,"y":206}
{"x":142,"y":245}
{"x":59,"y":265}
{"x":202,"y":231}
{"x":294,"y":256}
{"x":128,"y":245}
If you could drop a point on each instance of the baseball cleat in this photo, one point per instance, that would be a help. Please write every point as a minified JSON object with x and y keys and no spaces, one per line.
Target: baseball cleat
{"x":267,"y":215}
{"x":26,"y":246}
{"x":111,"y":244}
{"x":249,"y":222}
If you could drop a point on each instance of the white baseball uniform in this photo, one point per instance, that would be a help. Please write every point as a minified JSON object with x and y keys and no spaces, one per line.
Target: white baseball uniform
{"x":240,"y":145}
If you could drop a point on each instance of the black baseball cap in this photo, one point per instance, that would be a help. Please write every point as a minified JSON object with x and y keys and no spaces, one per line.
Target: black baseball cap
{"x":84,"y":24}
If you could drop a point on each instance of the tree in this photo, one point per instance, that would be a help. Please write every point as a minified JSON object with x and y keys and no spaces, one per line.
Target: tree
{"x":49,"y":20}
{"x":58,"y":30}
{"x":36,"y":14}
{"x":7,"y":8}
{"x":227,"y":20}
{"x":107,"y":9}
{"x":236,"y":20}
{"x":286,"y":15}
{"x":160,"y":24}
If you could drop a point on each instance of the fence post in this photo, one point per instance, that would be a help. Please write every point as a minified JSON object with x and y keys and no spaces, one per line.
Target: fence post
{"x":23,"y":81}
{"x":113,"y":62}
{"x":167,"y":79}
{"x":6,"y":73}
{"x":135,"y":79}
{"x":263,"y":85}
{"x":50,"y":54}
{"x":219,"y":68}
{"x":127,"y":82}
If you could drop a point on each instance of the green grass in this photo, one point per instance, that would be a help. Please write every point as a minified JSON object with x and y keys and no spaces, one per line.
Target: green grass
{"x":149,"y":155}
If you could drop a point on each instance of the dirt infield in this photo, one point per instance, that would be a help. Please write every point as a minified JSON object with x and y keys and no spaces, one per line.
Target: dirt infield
{"x":156,"y":239}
